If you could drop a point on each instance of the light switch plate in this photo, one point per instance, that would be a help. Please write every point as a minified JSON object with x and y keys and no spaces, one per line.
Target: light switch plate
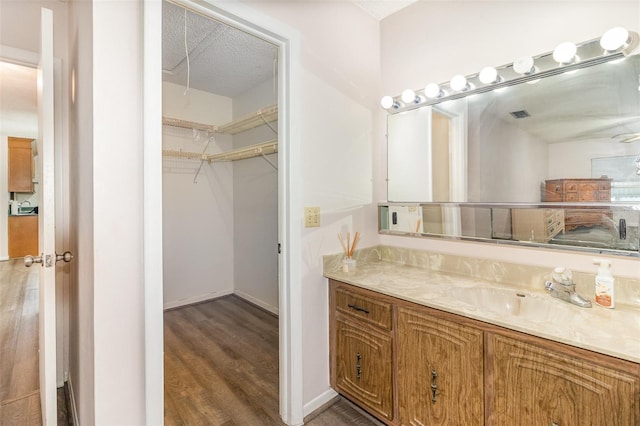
{"x":311,"y":217}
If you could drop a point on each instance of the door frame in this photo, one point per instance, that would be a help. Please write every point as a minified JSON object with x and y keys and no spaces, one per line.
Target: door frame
{"x":287,"y":39}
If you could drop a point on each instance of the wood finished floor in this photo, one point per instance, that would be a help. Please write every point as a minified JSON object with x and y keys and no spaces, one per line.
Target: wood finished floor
{"x":221,"y":368}
{"x":19,"y":387}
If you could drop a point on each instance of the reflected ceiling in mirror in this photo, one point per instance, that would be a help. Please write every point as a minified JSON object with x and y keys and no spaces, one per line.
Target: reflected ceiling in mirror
{"x":510,"y":144}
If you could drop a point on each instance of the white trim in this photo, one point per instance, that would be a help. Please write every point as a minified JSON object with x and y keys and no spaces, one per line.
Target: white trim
{"x":73,"y":409}
{"x":319,"y":401}
{"x":197,"y":299}
{"x":152,"y":215}
{"x":243,"y":17}
{"x":255,"y":301}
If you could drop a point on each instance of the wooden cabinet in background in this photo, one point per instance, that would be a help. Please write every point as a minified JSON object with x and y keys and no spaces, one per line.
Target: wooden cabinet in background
{"x":20,"y":167}
{"x":536,"y":385}
{"x":362,"y":362}
{"x":440,"y":371}
{"x":585,"y":190}
{"x":539,"y":225}
{"x":23,"y":236}
{"x":578,"y":190}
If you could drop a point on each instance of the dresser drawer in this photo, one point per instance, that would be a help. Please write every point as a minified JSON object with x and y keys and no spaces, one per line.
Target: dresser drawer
{"x":588,"y":187}
{"x":590,"y":195}
{"x":604,"y":196}
{"x":571,"y":196}
{"x":366,"y":308}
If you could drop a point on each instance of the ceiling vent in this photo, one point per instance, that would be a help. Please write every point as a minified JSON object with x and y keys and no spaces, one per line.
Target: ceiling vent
{"x":520,"y":114}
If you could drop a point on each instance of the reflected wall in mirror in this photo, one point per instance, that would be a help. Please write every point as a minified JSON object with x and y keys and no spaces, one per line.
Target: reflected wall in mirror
{"x":530,"y":225}
{"x":561,"y":134}
{"x":503,"y":145}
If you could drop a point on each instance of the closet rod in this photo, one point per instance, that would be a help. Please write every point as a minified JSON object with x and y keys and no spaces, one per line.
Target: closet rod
{"x":250,"y":151}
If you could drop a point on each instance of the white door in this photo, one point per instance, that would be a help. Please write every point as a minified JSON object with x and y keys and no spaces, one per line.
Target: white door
{"x":46,"y":224}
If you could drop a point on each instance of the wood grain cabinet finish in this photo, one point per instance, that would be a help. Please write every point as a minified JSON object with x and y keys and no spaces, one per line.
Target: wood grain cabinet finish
{"x":440,"y":371}
{"x":364,"y":367}
{"x":23,"y":236}
{"x":362,"y":345}
{"x":20,"y":167}
{"x":389,"y":355}
{"x":535,"y":385}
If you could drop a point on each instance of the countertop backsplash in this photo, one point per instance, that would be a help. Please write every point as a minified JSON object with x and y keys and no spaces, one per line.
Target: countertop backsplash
{"x":530,"y":277}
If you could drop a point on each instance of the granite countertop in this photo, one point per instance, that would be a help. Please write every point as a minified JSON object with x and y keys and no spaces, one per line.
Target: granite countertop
{"x":614,"y":332}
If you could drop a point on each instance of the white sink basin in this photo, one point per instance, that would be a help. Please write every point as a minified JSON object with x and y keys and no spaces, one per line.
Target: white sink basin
{"x":507,"y":302}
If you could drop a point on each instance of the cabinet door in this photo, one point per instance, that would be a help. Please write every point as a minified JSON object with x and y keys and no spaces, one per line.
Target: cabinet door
{"x":363,"y":366}
{"x":441,"y":357}
{"x":23,"y":236}
{"x":532,"y":385}
{"x":20,"y":165}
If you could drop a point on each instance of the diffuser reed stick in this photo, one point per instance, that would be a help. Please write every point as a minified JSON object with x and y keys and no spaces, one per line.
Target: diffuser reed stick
{"x":348,"y":246}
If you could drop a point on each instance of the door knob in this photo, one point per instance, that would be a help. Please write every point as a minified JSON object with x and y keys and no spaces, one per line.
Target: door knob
{"x":30,"y":260}
{"x":66,"y":256}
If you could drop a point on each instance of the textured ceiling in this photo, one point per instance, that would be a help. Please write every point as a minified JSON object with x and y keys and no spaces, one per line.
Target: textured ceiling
{"x":221,"y":60}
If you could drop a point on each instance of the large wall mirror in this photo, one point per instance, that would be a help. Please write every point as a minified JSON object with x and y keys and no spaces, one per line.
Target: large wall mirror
{"x":542,"y":141}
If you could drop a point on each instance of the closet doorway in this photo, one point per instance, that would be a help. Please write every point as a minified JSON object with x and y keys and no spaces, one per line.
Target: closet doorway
{"x":220,"y":180}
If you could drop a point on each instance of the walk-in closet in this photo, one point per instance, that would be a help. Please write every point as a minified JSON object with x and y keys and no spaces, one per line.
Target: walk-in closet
{"x":220,"y":177}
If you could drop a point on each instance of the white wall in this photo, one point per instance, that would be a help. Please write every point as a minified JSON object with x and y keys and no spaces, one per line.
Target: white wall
{"x":338,"y":97}
{"x":198,"y":216}
{"x":455,"y":41}
{"x":255,"y":207}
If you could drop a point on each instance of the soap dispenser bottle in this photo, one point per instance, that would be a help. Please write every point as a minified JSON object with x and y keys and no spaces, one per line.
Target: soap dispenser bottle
{"x":604,"y":284}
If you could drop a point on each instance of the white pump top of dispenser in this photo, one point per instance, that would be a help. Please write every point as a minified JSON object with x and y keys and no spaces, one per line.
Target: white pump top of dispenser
{"x":604,"y":267}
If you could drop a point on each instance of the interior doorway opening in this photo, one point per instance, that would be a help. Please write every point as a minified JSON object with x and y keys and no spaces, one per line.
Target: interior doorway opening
{"x":220,"y":182}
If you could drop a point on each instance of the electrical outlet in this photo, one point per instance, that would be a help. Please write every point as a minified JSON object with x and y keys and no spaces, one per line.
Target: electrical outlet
{"x":311,"y":217}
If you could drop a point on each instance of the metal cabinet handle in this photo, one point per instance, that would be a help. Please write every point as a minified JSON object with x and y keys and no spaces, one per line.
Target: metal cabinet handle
{"x":358,"y":366}
{"x":434,"y":386}
{"x":30,"y":260}
{"x":358,"y":308}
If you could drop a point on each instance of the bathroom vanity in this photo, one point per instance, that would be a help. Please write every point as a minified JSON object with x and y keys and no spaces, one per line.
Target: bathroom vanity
{"x":414,"y":344}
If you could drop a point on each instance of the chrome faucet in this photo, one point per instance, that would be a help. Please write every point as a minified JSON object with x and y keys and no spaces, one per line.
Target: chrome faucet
{"x":562,"y":287}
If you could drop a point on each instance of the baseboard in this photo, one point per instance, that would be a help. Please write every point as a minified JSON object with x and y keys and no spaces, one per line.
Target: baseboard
{"x":318,"y":403}
{"x":257,"y":302}
{"x":4,"y":258}
{"x":197,"y":299}
{"x":72,"y":402}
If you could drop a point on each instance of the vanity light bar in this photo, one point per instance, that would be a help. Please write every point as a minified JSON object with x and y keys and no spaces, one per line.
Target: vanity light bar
{"x":615,"y":44}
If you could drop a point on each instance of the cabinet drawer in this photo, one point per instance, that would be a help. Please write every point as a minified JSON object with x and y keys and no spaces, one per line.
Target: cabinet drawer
{"x":604,"y":196}
{"x":604,"y":186}
{"x":588,"y":186}
{"x":571,"y":196}
{"x":361,"y":306}
{"x":571,"y":187}
{"x":590,"y":195}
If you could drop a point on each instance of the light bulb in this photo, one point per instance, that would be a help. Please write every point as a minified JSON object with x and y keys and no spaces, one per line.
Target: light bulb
{"x":409,"y":97}
{"x":459,"y":83}
{"x":489,"y":75}
{"x":387,"y":102}
{"x":524,"y":65}
{"x":614,"y":39}
{"x":565,"y":53}
{"x":433,"y":91}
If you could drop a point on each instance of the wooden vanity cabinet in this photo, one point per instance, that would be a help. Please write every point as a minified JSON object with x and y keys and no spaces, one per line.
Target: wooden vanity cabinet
{"x":362,"y":345}
{"x":550,"y":384}
{"x":20,"y":167}
{"x":389,"y":355}
{"x":440,"y":374}
{"x":23,"y":236}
